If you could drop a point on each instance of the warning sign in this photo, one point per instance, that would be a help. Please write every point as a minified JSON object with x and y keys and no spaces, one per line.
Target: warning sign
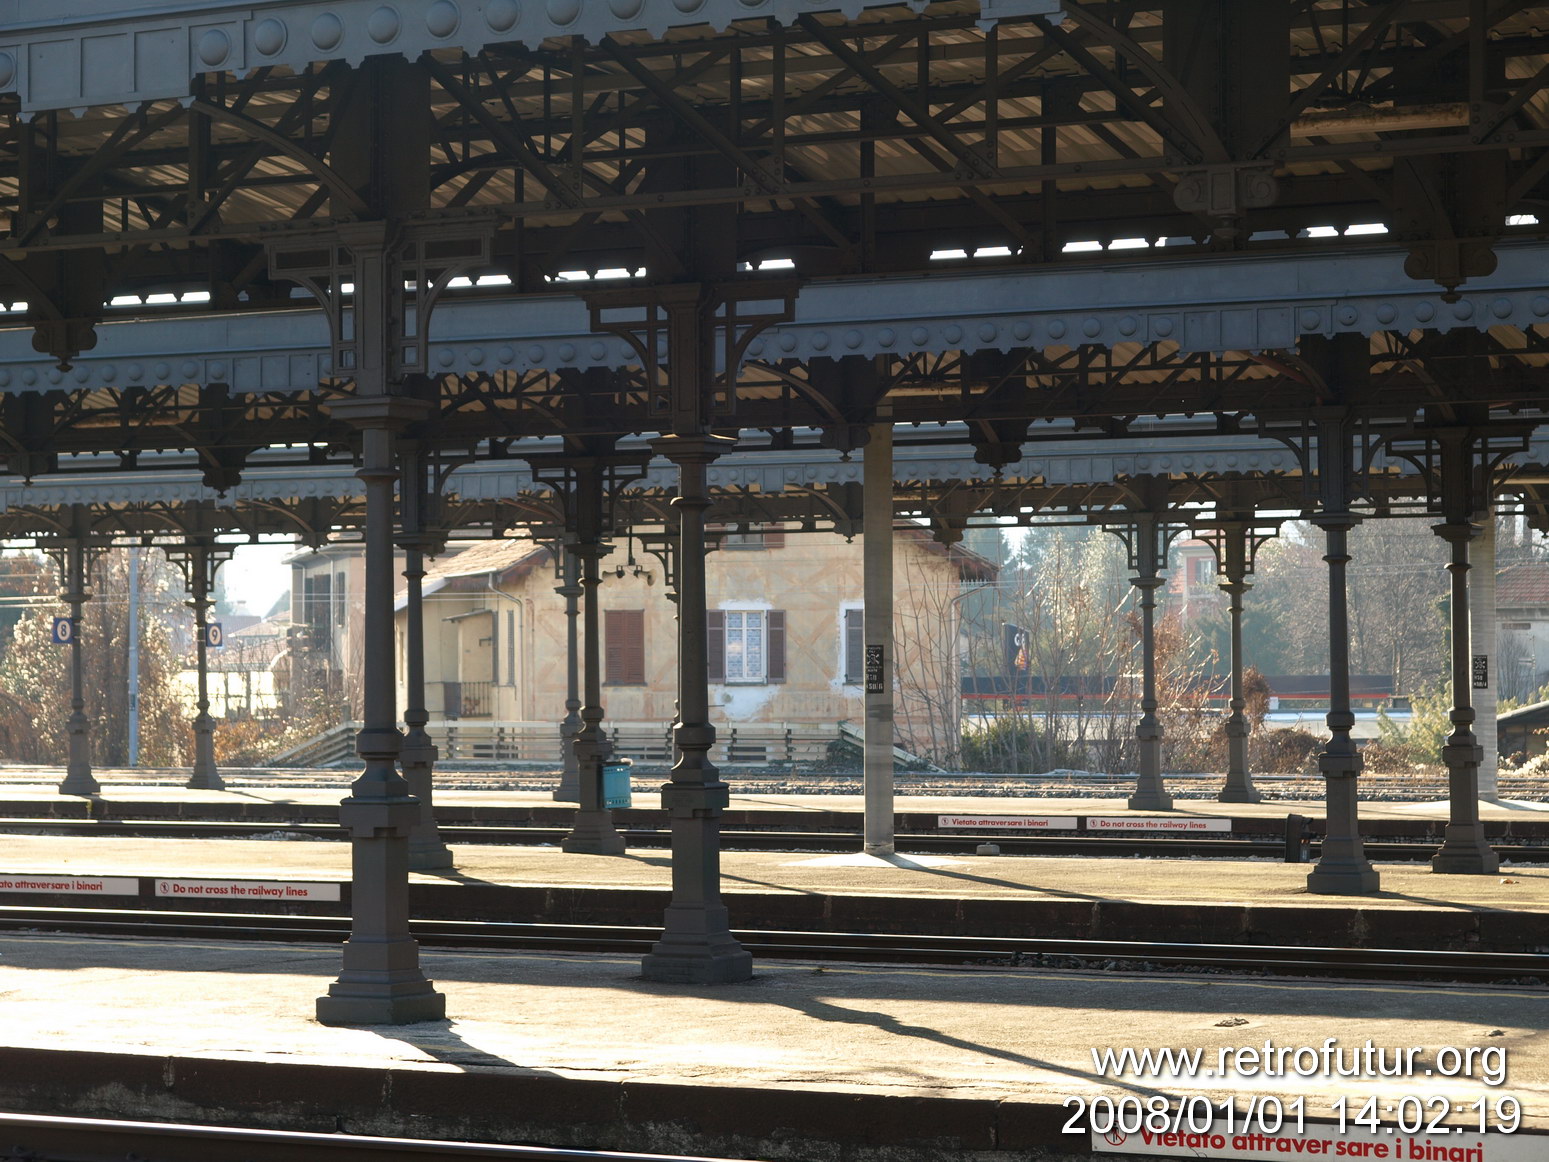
{"x":71,"y":885}
{"x":1324,"y":1142}
{"x":246,"y":890}
{"x":1010,"y":822}
{"x":1143,"y":823}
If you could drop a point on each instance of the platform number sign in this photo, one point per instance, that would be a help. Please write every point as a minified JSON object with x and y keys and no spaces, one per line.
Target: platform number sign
{"x":214,"y":636}
{"x":1481,"y":671}
{"x":874,"y":684}
{"x":64,"y":631}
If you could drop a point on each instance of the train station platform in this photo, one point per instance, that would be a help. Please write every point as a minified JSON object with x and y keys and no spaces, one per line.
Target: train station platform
{"x":1157,"y":898}
{"x":914,"y":814}
{"x":820,"y":1063}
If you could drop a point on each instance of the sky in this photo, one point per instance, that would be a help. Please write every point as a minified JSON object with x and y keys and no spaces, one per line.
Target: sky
{"x":255,"y":578}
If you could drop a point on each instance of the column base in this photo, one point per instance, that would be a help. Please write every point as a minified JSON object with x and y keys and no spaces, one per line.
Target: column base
{"x":705,"y":963}
{"x":205,"y":781}
{"x":1234,"y":794}
{"x":1150,"y":800}
{"x":593,"y":833}
{"x":1467,"y":855}
{"x":877,"y":849}
{"x":358,"y":1004}
{"x":569,"y":790}
{"x":79,"y":783}
{"x":1356,"y":879}
{"x":430,"y":857}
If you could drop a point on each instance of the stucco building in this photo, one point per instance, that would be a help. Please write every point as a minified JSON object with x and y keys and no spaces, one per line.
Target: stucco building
{"x":785,"y":648}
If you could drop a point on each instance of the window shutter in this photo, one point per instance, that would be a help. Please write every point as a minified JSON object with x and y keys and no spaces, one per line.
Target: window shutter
{"x":494,"y":647}
{"x":776,"y":646}
{"x":510,"y":647}
{"x":774,"y":539}
{"x":634,"y":647}
{"x":854,"y":644}
{"x":624,"y":647}
{"x":715,"y":646}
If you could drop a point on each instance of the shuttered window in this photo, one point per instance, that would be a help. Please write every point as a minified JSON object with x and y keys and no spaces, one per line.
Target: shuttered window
{"x":510,"y":647}
{"x":623,"y":632}
{"x":854,"y":646}
{"x":746,"y":646}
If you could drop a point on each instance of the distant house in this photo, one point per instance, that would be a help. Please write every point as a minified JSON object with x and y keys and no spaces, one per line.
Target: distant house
{"x":1522,"y":628}
{"x":786,"y":646}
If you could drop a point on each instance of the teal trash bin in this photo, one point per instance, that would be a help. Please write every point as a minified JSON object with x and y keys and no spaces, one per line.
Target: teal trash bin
{"x":615,"y":784}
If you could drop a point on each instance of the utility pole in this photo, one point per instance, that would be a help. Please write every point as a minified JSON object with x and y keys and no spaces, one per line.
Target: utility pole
{"x":134,"y":657}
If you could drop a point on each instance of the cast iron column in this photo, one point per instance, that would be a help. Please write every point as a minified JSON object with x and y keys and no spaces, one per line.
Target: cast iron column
{"x":1150,"y":794}
{"x":1238,"y":787}
{"x":570,"y":589}
{"x":593,"y":831}
{"x":697,"y":946}
{"x":381,"y":983}
{"x":205,"y":776}
{"x":1483,"y":628}
{"x":877,"y":586}
{"x":1464,"y":851}
{"x":1342,"y":869}
{"x":78,"y":778}
{"x":418,"y":753}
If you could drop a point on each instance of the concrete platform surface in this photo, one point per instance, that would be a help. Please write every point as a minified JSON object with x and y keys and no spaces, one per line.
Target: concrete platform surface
{"x":648,"y":799}
{"x":1248,"y":882}
{"x":912,"y":1064}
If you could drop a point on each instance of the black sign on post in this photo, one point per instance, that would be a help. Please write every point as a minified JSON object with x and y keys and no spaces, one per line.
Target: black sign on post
{"x":1481,"y":671}
{"x":874,"y":684}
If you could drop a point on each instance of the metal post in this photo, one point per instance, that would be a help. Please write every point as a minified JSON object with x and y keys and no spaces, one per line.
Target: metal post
{"x":1150,"y":793}
{"x":1464,"y":851}
{"x":381,"y":982}
{"x":1238,"y":787}
{"x":569,"y":790}
{"x":418,"y":754}
{"x":697,"y":946}
{"x":78,"y":778}
{"x":1482,"y":628}
{"x":132,"y":662}
{"x":593,"y":831}
{"x":1342,"y":869}
{"x":877,"y":569}
{"x":204,"y":776}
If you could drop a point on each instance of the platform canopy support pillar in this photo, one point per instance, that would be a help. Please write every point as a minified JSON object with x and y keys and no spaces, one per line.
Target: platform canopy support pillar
{"x":696,"y":945}
{"x":1483,"y":628}
{"x":78,"y":779}
{"x":586,"y":479}
{"x":1464,"y":850}
{"x":381,"y":982}
{"x":1235,"y":537}
{"x":1342,"y":869}
{"x":877,"y":588}
{"x":418,"y":753}
{"x":1146,"y":536}
{"x":200,"y":558}
{"x":569,"y":790}
{"x":593,"y":832}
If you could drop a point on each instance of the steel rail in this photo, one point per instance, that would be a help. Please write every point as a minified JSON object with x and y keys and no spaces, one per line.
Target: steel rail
{"x":57,"y":1139}
{"x":865,"y":947}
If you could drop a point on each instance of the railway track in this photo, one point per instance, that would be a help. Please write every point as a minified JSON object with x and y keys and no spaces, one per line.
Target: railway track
{"x":55,"y":1139}
{"x":736,"y":839}
{"x":1077,"y":784}
{"x":853,"y":947}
